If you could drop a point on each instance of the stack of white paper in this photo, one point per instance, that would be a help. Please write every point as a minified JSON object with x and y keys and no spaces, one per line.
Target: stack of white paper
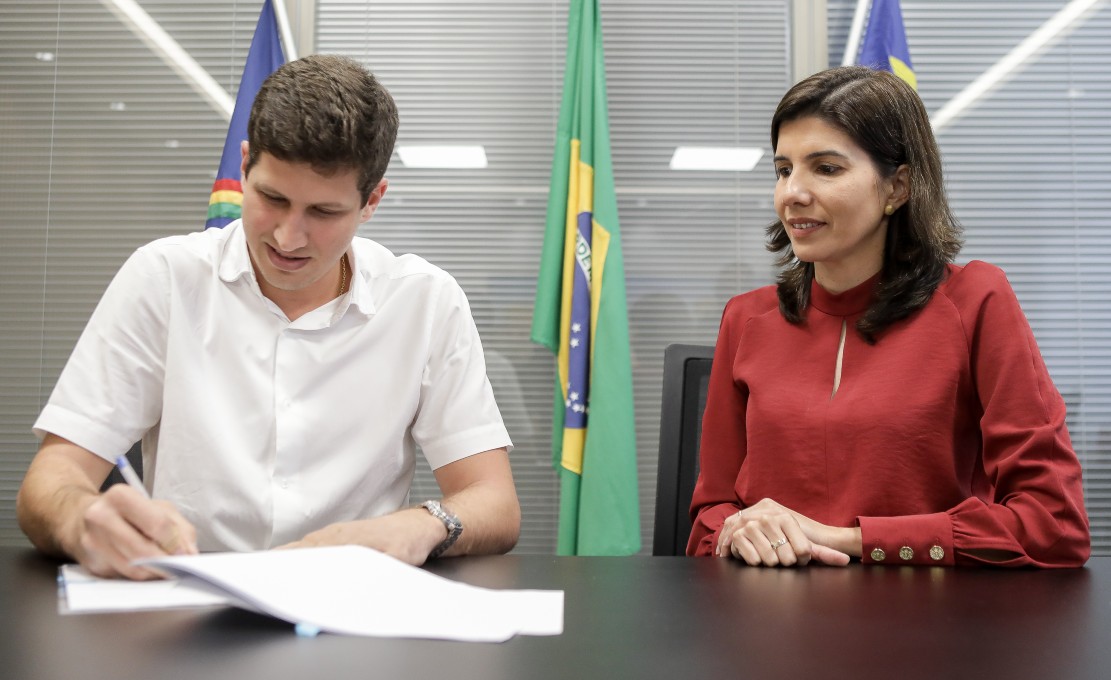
{"x":343,"y":589}
{"x":83,"y":593}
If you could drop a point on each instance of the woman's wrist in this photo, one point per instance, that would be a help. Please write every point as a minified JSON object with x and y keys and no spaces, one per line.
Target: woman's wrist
{"x":848,"y":540}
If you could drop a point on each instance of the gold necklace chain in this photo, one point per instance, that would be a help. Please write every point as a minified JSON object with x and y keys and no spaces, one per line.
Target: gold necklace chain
{"x":342,"y":275}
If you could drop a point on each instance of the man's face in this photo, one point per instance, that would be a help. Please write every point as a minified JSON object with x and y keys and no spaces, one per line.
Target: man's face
{"x":298,"y":224}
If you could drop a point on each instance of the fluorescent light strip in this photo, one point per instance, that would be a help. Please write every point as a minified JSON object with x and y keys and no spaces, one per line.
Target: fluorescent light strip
{"x":444,"y":157}
{"x":718,"y":158}
{"x":1051,"y":31}
{"x":147,"y":29}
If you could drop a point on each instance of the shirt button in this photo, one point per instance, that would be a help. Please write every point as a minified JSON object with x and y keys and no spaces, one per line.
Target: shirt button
{"x":878,"y":555}
{"x":906,"y":553}
{"x":937,"y":553}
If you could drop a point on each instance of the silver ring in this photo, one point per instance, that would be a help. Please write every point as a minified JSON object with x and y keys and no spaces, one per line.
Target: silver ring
{"x":780,"y":542}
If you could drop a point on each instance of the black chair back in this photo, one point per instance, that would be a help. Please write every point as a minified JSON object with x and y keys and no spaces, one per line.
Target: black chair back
{"x":135,"y":457}
{"x":686,"y":380}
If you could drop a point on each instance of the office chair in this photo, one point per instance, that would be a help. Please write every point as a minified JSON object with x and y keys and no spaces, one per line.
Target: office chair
{"x":686,"y":380}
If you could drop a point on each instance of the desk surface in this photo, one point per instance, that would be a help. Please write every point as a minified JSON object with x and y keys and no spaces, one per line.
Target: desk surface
{"x":635,"y":617}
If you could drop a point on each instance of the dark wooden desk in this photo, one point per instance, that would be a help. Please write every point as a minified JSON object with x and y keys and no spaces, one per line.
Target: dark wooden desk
{"x":637,"y":617}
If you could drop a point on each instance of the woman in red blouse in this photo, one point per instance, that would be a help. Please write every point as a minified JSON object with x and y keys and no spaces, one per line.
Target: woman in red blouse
{"x":879,"y":402}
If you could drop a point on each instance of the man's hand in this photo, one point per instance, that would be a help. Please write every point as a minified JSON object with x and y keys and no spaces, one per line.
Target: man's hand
{"x":478,"y":489}
{"x":61,"y":511}
{"x":770,"y":534}
{"x":409,"y":535}
{"x":122,"y":525}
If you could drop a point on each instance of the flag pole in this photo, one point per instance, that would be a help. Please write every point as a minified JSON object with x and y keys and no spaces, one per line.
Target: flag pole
{"x":852,"y":46}
{"x":284,"y":31}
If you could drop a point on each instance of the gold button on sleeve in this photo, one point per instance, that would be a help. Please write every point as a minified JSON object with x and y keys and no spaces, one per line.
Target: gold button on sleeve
{"x":878,"y":555}
{"x":937,"y":553}
{"x":906,"y":553}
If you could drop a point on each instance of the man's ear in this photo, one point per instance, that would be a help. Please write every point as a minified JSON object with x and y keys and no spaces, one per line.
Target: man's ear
{"x":243,"y":163}
{"x":374,"y":199}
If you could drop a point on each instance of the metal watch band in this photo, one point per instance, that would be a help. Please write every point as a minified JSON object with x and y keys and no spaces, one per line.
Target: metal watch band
{"x":451,"y":523}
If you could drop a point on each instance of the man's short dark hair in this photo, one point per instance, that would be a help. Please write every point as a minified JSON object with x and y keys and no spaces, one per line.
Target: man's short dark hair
{"x":327,"y":111}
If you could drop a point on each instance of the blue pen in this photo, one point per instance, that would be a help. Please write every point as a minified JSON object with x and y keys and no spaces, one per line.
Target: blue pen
{"x":129,"y":475}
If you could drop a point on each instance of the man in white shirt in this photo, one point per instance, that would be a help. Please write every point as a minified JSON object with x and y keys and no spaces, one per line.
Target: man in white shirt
{"x":280,"y":371}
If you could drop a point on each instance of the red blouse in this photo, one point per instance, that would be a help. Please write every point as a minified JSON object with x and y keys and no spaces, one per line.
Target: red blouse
{"x":945,"y":436}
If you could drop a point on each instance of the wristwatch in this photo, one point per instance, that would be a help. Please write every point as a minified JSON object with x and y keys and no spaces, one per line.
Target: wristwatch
{"x":451,"y":523}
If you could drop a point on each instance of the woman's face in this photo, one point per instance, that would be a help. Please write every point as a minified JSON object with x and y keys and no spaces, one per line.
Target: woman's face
{"x":831,"y":201}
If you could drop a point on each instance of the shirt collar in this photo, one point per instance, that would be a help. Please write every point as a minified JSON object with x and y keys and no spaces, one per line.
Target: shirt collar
{"x":852,"y":301}
{"x":360,"y":295}
{"x":235,"y":263}
{"x":234,"y":260}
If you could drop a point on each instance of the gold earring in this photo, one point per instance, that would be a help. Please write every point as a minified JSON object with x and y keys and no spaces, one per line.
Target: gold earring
{"x":889,"y":210}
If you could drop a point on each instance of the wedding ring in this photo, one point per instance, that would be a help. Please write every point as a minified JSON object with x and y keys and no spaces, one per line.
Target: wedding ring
{"x":782,"y":541}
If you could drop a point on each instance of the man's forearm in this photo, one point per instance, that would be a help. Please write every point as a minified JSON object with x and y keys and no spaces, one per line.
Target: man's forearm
{"x":477,"y":489}
{"x":49,"y":507}
{"x":491,"y":517}
{"x":61,"y":483}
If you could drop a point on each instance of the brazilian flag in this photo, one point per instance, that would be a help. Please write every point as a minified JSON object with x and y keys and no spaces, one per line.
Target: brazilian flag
{"x":581,"y":315}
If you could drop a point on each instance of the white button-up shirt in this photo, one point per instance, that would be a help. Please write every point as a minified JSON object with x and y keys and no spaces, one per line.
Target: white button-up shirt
{"x":259,"y":429}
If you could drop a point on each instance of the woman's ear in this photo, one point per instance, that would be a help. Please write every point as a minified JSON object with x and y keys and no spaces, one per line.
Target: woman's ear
{"x":899,"y":192}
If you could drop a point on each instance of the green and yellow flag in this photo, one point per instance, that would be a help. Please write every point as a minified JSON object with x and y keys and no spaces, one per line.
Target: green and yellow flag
{"x":580,"y":313}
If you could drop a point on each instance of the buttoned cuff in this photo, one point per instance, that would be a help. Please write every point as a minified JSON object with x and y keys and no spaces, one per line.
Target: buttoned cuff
{"x":912,"y":539}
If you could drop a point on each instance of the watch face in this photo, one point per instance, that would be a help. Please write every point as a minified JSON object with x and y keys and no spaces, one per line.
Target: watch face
{"x":451,"y":523}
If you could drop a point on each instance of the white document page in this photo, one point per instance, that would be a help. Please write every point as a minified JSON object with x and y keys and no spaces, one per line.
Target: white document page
{"x":359,"y":591}
{"x":83,"y":593}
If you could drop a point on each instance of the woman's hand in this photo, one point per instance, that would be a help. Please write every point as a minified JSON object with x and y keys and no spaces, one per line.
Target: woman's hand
{"x":770,"y":534}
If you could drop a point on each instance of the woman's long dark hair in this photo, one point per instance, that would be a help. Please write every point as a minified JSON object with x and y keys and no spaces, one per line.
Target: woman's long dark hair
{"x":886,"y":118}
